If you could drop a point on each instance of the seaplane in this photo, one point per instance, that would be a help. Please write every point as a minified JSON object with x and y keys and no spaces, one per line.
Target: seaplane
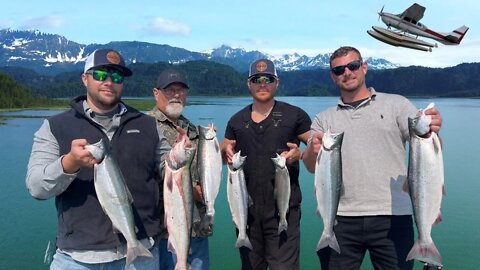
{"x":407,"y":29}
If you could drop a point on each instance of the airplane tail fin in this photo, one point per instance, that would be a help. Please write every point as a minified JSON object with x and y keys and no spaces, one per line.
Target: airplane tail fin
{"x":456,"y":36}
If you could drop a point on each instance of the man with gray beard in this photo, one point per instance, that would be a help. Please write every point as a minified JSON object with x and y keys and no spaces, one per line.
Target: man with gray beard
{"x":170,"y":96}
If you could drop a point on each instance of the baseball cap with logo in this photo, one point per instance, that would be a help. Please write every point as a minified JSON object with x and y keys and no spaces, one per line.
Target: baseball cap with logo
{"x":107,"y":57}
{"x":262,"y":67}
{"x":170,"y":76}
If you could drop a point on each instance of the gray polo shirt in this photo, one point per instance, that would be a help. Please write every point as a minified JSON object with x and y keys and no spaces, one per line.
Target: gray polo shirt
{"x":373,"y":153}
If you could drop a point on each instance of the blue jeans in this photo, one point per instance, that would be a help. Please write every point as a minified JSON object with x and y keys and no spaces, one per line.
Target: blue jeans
{"x":62,"y":261}
{"x":198,"y":258}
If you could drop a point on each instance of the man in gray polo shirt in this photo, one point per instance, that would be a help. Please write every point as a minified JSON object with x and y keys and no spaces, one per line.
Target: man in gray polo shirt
{"x":374,"y":213}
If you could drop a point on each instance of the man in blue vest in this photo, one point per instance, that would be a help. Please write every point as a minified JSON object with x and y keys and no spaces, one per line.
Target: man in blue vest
{"x":260,"y":131}
{"x":60,"y":166}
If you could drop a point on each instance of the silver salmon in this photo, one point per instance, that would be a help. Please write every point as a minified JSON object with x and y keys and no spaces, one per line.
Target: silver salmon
{"x":210,"y":169}
{"x":238,"y":199}
{"x":178,"y":200}
{"x":425,"y":185}
{"x":282,"y":190}
{"x":328,"y":186}
{"x":115,"y":199}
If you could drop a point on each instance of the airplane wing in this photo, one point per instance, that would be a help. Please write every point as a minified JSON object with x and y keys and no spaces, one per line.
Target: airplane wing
{"x":413,"y":14}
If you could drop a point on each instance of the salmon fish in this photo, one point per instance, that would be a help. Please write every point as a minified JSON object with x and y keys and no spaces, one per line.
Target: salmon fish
{"x":115,"y":198}
{"x":178,"y":200}
{"x":210,"y":169}
{"x":328,"y":186}
{"x":425,"y":184}
{"x":282,"y":190}
{"x":238,"y":199}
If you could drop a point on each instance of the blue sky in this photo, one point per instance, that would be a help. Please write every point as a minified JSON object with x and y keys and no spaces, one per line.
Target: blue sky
{"x":276,"y":27}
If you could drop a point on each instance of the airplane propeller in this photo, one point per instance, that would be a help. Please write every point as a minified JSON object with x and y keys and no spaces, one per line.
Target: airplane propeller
{"x":380,"y":13}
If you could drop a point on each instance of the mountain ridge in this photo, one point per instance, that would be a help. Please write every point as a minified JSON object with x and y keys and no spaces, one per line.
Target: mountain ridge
{"x":51,"y":54}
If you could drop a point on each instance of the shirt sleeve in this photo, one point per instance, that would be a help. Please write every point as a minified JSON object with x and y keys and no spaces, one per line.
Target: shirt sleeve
{"x":229,"y":133}
{"x":317,"y":125}
{"x":405,"y":110}
{"x":163,"y":148}
{"x":45,"y":175}
{"x":303,"y":122}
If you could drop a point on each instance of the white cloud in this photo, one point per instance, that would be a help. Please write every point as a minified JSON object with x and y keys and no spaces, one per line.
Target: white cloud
{"x":164,"y":26}
{"x":48,"y":22}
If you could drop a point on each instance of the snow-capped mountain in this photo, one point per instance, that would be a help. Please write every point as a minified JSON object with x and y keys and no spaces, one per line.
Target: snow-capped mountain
{"x":51,"y":54}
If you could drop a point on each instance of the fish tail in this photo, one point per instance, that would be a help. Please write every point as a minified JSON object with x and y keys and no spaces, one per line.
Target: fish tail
{"x":426,"y":253}
{"x":282,"y":225}
{"x":243,"y":242}
{"x":328,"y":241}
{"x":137,"y":251}
{"x":181,"y":266}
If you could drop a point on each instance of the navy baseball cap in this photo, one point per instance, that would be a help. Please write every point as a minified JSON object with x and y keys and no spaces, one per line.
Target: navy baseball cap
{"x":107,"y":57}
{"x":170,"y":76}
{"x":262,"y":67}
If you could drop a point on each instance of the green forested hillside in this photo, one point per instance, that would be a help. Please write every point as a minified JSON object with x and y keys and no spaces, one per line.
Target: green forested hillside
{"x":209,"y":78}
{"x":14,"y":95}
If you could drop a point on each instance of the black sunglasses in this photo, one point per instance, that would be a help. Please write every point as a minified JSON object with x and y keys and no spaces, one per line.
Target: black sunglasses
{"x":352,"y":66}
{"x":102,"y":75}
{"x":260,"y":79}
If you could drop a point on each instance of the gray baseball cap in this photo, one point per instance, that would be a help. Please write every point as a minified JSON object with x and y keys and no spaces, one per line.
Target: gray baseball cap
{"x":170,"y":76}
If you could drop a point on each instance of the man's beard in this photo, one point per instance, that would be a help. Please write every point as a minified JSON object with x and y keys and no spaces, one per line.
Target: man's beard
{"x":174,"y":110}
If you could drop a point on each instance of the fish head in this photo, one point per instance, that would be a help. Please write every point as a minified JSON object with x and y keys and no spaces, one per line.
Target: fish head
{"x":279,"y":161}
{"x":331,"y":139}
{"x":238,"y":160}
{"x":208,"y":132}
{"x":98,"y":149}
{"x":181,"y":153}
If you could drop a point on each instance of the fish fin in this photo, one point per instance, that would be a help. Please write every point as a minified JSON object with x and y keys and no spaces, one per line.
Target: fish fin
{"x":250,"y":201}
{"x":328,"y":241}
{"x":318,"y":213}
{"x":115,"y":230}
{"x":439,"y":219}
{"x":282,"y":226}
{"x":170,"y":246}
{"x":129,"y":195}
{"x":444,"y":193}
{"x":138,"y":251}
{"x":169,"y":180}
{"x":243,"y":242}
{"x":406,"y":187}
{"x":426,"y":253}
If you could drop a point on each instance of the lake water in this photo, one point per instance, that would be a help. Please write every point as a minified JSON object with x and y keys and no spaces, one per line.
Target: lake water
{"x":27,"y":225}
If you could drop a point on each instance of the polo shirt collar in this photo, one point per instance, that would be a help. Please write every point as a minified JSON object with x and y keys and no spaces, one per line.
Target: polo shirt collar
{"x":372,"y":96}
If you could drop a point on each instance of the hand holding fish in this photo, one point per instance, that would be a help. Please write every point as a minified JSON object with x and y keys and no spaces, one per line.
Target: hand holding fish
{"x":436,"y":122}
{"x":228,"y":150}
{"x":316,"y":142}
{"x":180,"y":136}
{"x":293,"y":154}
{"x":78,"y":157}
{"x":310,"y":154}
